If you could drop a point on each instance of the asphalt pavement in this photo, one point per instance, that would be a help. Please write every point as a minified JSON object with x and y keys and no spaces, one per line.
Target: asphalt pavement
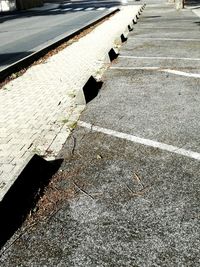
{"x":23,"y":33}
{"x":129,"y":183}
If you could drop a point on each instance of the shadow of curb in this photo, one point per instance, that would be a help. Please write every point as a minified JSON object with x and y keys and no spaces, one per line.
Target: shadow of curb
{"x":24,"y":194}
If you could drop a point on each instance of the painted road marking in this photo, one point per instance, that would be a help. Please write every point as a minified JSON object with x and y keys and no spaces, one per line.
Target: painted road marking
{"x":66,"y":4}
{"x":89,"y":8}
{"x":101,"y":8}
{"x":66,"y":9}
{"x":78,"y":8}
{"x":134,"y":68}
{"x":81,"y":8}
{"x":176,"y":72}
{"x":164,"y":39}
{"x":112,"y":8}
{"x":157,"y":27}
{"x":182,"y":73}
{"x":173,"y":58}
{"x":142,"y":141}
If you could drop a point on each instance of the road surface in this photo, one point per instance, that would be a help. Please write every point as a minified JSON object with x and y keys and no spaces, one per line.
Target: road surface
{"x":23,"y":33}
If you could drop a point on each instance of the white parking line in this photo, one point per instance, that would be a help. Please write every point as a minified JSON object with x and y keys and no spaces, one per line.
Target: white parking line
{"x":176,"y":72}
{"x":157,"y":27}
{"x":78,"y":8}
{"x":173,"y":58}
{"x":66,"y":9}
{"x":182,"y":73}
{"x":113,"y":8}
{"x":89,"y":8}
{"x":143,"y":141}
{"x":66,"y":4}
{"x":164,"y":39}
{"x":135,"y":68}
{"x":101,"y":8}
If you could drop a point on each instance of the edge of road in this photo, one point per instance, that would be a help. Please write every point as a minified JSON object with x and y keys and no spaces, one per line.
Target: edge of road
{"x":48,"y":46}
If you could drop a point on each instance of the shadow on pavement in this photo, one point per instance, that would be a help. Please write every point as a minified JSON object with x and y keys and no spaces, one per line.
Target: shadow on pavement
{"x":91,"y":89}
{"x":24,"y":194}
{"x":13,"y":57}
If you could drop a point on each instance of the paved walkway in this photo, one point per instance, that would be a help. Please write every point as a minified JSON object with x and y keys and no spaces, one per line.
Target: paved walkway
{"x":131,"y":168}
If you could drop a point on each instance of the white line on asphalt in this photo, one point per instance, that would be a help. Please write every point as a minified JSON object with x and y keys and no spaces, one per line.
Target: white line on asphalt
{"x":78,"y":8}
{"x":143,"y":141}
{"x":157,"y":27}
{"x":182,"y":73}
{"x":66,"y":4}
{"x":66,"y":9}
{"x":176,"y":72}
{"x":163,"y":39}
{"x":135,"y":68}
{"x":101,"y":8}
{"x":113,"y":8}
{"x":173,"y":58}
{"x":89,"y":8}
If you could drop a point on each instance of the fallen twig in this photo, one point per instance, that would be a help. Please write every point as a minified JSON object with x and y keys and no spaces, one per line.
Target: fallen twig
{"x":138,"y":193}
{"x":138,"y":179}
{"x":82,"y":190}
